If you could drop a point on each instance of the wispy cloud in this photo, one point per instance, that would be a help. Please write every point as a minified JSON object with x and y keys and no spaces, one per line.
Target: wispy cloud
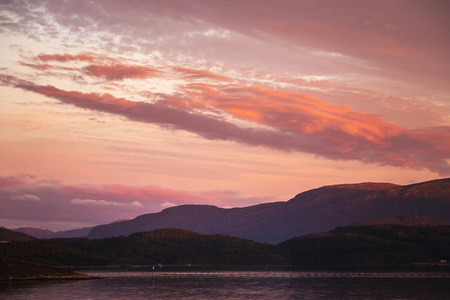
{"x":96,"y":202}
{"x":200,"y":74}
{"x":104,"y":202}
{"x":119,"y":71}
{"x":26,"y":197}
{"x":54,"y":201}
{"x":167,"y":204}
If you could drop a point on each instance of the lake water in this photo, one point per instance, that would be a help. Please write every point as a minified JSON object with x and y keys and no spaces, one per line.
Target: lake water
{"x":204,"y":283}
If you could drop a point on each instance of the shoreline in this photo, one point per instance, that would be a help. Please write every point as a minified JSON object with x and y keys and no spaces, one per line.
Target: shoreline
{"x":38,"y":278}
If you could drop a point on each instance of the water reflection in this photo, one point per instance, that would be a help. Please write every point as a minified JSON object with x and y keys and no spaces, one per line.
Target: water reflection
{"x":192,"y":283}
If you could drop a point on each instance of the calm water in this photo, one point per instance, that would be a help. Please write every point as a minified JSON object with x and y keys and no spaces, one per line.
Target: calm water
{"x":201,"y":283}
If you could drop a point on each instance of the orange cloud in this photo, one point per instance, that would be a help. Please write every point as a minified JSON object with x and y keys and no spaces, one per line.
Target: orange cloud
{"x":296,"y":112}
{"x":290,"y":122}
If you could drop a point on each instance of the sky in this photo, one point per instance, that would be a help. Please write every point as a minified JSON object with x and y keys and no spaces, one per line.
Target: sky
{"x":113,"y":109}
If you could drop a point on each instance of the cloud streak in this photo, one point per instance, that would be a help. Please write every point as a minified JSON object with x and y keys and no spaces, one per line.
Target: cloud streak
{"x":201,"y":74}
{"x":102,"y":202}
{"x":26,"y":197}
{"x":119,"y":71}
{"x":296,"y":122}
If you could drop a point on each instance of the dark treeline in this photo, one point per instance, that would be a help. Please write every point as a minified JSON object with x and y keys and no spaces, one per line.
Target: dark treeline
{"x":52,"y":255}
{"x":19,"y":269}
{"x":166,"y":246}
{"x":379,"y":244}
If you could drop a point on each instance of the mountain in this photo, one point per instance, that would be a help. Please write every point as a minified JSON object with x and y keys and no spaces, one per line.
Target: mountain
{"x":10,"y":235}
{"x":82,"y":232}
{"x":317,"y":210}
{"x":36,"y":232}
{"x":47,"y":234}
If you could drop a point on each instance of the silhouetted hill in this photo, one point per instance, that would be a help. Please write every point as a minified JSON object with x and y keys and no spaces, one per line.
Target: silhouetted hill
{"x":173,"y":246}
{"x":10,"y":235}
{"x":317,"y":210}
{"x":380,"y":244}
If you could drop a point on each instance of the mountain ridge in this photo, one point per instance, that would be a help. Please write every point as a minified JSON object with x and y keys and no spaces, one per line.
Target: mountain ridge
{"x":316,"y":210}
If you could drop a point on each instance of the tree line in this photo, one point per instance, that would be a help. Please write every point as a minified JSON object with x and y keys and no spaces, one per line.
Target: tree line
{"x":378,"y":244}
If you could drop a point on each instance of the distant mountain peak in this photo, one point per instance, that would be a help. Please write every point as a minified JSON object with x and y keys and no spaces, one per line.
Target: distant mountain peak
{"x":36,"y":232}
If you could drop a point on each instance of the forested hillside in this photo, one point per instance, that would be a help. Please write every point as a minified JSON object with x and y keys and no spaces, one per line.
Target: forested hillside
{"x":53,"y":255}
{"x":380,"y":244}
{"x":174,"y":246}
{"x":361,"y":245}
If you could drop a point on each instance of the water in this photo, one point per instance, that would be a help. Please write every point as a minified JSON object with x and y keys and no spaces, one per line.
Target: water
{"x":204,"y":283}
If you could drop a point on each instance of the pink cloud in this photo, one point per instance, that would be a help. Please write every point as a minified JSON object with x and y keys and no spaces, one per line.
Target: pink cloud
{"x":120,"y":71}
{"x":100,"y":66}
{"x":90,"y":57}
{"x":16,"y":181}
{"x":299,"y":122}
{"x":46,"y":67}
{"x":401,"y":39}
{"x":200,"y":74}
{"x":320,"y":35}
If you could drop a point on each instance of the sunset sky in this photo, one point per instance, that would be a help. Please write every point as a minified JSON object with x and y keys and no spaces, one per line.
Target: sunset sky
{"x":113,"y":109}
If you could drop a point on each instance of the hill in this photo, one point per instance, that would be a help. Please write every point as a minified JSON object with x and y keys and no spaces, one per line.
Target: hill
{"x":371,"y":245}
{"x":351,"y":245}
{"x":173,"y":246}
{"x":10,"y":235}
{"x":317,"y":210}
